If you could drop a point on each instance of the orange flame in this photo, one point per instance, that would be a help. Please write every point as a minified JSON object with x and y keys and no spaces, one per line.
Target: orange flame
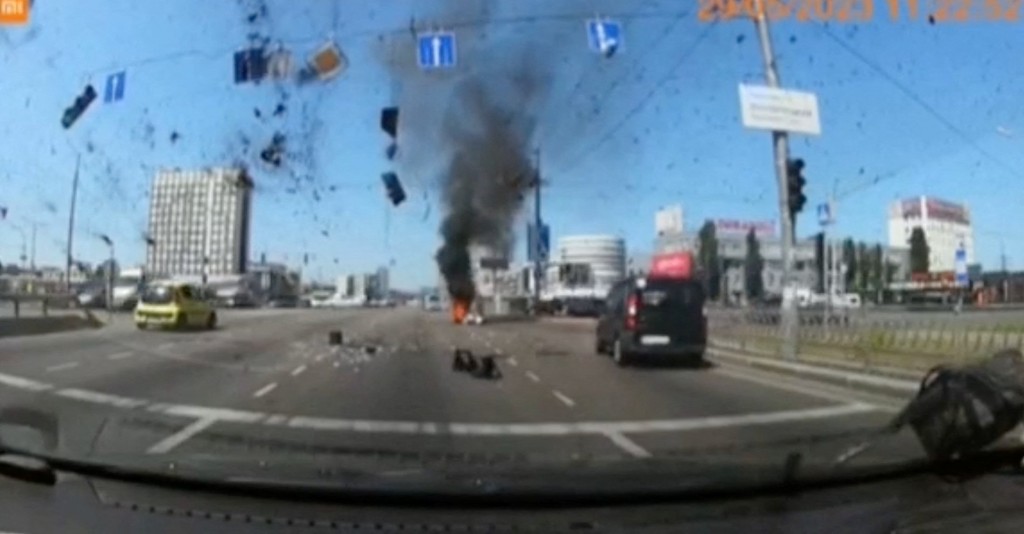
{"x":460,"y":308}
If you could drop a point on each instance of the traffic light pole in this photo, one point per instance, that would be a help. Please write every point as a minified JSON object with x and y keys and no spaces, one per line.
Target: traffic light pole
{"x":537,"y":261}
{"x":780,"y":142}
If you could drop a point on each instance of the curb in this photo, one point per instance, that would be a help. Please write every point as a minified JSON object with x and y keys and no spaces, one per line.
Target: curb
{"x":853,"y":379}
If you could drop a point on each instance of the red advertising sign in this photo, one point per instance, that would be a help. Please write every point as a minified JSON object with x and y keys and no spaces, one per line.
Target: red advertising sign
{"x":675,"y":265}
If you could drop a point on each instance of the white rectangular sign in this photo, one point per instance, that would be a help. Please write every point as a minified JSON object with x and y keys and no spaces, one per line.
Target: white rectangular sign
{"x":783,"y":110}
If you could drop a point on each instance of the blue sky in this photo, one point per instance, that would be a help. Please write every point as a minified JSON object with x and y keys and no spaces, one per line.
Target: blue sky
{"x":924,"y":109}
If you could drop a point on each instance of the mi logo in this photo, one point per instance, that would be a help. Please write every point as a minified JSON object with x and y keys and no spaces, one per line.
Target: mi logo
{"x":14,"y":11}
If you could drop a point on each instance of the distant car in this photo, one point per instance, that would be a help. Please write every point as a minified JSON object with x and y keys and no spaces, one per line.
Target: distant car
{"x":176,"y":306}
{"x":283,"y":302}
{"x":655,"y":318}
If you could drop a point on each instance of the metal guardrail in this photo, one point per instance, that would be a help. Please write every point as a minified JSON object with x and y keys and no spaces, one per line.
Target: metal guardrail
{"x":865,"y":337}
{"x":18,"y":305}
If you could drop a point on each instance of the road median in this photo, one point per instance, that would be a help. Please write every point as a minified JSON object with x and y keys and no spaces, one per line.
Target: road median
{"x":30,"y":326}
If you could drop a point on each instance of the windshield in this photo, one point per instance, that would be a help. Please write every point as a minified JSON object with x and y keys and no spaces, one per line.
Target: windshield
{"x":809,"y":195}
{"x":158,"y":295}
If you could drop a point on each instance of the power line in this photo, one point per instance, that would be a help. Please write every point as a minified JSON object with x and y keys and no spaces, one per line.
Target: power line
{"x":655,"y":43}
{"x":921,"y":102}
{"x":643,"y":102}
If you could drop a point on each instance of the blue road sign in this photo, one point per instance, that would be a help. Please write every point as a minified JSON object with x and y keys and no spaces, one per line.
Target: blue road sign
{"x":604,"y":36}
{"x":535,"y":248}
{"x":437,"y":50}
{"x":824,"y":213}
{"x":960,"y":266}
{"x":114,"y":89}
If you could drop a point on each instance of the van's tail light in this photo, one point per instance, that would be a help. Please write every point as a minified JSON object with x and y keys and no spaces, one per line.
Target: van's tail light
{"x":632,"y":309}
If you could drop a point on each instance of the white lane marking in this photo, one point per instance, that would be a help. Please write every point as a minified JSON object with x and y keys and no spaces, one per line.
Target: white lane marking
{"x":565,"y":400}
{"x":463,"y":429}
{"x":61,"y":367}
{"x":164,"y":346}
{"x":121,"y":355}
{"x":319,"y":358}
{"x":205,"y":412}
{"x":298,"y":370}
{"x":628,"y":445}
{"x":265,"y":389}
{"x":23,"y":383}
{"x":170,"y":442}
{"x":513,"y":362}
{"x":337,"y":364}
{"x":780,"y":383}
{"x":532,"y":376}
{"x":96,"y":397}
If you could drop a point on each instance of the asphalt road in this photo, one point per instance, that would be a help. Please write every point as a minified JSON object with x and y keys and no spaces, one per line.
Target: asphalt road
{"x":267,"y":383}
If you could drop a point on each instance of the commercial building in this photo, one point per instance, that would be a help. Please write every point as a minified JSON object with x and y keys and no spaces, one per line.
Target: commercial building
{"x":947,"y":226}
{"x":585,"y":266}
{"x":374,"y":285}
{"x":199,"y":222}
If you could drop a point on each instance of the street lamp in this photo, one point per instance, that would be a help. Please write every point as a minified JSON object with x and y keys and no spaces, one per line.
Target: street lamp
{"x":110,"y":273}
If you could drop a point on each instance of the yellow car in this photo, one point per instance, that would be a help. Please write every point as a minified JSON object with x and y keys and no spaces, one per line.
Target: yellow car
{"x":176,"y":306}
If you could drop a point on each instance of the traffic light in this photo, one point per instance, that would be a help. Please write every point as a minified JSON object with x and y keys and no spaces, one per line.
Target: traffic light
{"x":796,"y":183}
{"x":393,"y":187}
{"x":73,"y":113}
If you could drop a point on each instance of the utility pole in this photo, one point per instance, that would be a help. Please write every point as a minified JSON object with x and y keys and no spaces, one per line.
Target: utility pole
{"x":780,"y":141}
{"x":71,"y":223}
{"x":32,"y":256}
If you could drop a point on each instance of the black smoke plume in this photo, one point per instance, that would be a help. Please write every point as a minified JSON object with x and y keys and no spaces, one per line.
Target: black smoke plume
{"x":480,"y":145}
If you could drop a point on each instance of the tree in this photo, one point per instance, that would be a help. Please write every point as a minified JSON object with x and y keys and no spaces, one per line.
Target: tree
{"x":753,"y":268}
{"x":707,"y":259}
{"x":919,"y":251}
{"x":850,"y":260}
{"x":863,"y":266}
{"x":877,"y":281}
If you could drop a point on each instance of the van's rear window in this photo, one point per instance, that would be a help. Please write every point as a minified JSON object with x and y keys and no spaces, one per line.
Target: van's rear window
{"x":663,"y":293}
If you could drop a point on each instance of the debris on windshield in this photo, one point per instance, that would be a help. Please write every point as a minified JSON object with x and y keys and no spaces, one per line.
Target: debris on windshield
{"x":326,"y":63}
{"x":175,"y":136}
{"x":280,"y":64}
{"x":250,"y":65}
{"x":274,"y":153}
{"x":75,"y":111}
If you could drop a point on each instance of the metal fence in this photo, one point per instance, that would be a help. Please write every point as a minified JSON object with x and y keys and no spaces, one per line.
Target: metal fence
{"x":866,"y":337}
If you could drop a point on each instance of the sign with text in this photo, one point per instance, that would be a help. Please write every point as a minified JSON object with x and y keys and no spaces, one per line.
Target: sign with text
{"x":737,"y":227}
{"x":779,"y":110}
{"x":675,"y":265}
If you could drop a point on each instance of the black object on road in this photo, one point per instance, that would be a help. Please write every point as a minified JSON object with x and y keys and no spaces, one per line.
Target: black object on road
{"x":463,"y":361}
{"x":334,"y":337}
{"x":487,"y":369}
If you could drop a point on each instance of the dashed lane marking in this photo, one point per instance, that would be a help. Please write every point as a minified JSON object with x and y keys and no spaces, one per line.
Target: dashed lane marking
{"x":532,"y":376}
{"x":606,"y":428}
{"x":265,"y":389}
{"x":513,"y":362}
{"x":631,"y":447}
{"x":61,"y":367}
{"x":298,"y":370}
{"x":170,"y":442}
{"x":565,"y":400}
{"x":120,"y":355}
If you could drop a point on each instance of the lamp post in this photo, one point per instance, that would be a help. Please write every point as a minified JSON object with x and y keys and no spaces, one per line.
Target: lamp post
{"x":109,"y":273}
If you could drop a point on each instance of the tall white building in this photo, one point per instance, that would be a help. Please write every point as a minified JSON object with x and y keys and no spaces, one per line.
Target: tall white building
{"x":199,"y":222}
{"x":946,"y":226}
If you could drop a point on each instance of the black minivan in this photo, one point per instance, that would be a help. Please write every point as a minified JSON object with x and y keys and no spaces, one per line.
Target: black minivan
{"x":653,"y":318}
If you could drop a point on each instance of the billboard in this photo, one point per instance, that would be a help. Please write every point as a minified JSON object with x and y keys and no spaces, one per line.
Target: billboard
{"x":761,"y":229}
{"x":936,"y":209}
{"x":669,"y":221}
{"x":947,"y":211}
